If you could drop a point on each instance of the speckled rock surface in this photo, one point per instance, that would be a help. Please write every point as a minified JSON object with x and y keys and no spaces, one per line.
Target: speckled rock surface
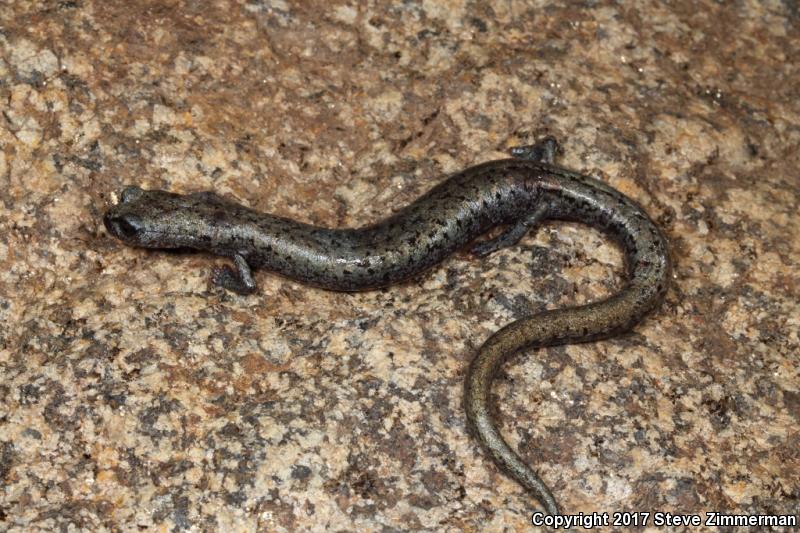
{"x":134,"y":394}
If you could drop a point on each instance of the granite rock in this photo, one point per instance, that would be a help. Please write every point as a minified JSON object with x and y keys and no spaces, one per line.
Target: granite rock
{"x":134,"y":394}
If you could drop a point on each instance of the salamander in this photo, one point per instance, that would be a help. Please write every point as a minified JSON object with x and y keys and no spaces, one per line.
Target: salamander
{"x":517,"y":193}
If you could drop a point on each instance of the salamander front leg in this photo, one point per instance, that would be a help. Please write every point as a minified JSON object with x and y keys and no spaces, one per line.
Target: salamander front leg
{"x":511,"y":236}
{"x":240,"y":281}
{"x":544,"y":151}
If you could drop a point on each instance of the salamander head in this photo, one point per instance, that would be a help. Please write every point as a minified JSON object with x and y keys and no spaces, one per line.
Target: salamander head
{"x":160,"y":219}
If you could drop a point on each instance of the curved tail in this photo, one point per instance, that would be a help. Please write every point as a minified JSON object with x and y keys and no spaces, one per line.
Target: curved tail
{"x":562,"y":326}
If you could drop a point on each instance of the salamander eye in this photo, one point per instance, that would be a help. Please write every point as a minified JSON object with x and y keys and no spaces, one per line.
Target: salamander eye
{"x":125,"y":226}
{"x":129,"y":226}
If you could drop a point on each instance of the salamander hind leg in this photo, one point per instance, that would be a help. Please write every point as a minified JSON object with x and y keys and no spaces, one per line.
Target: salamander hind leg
{"x":511,"y":236}
{"x":240,"y":281}
{"x":545,"y":151}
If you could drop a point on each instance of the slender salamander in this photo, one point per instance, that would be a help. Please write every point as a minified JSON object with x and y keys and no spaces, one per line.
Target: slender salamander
{"x":519,"y":193}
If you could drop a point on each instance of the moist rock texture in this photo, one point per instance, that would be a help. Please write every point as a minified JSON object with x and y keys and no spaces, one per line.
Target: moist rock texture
{"x":134,"y":394}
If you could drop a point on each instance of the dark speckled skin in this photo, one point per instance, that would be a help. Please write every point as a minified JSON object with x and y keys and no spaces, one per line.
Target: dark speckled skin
{"x":520,"y":192}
